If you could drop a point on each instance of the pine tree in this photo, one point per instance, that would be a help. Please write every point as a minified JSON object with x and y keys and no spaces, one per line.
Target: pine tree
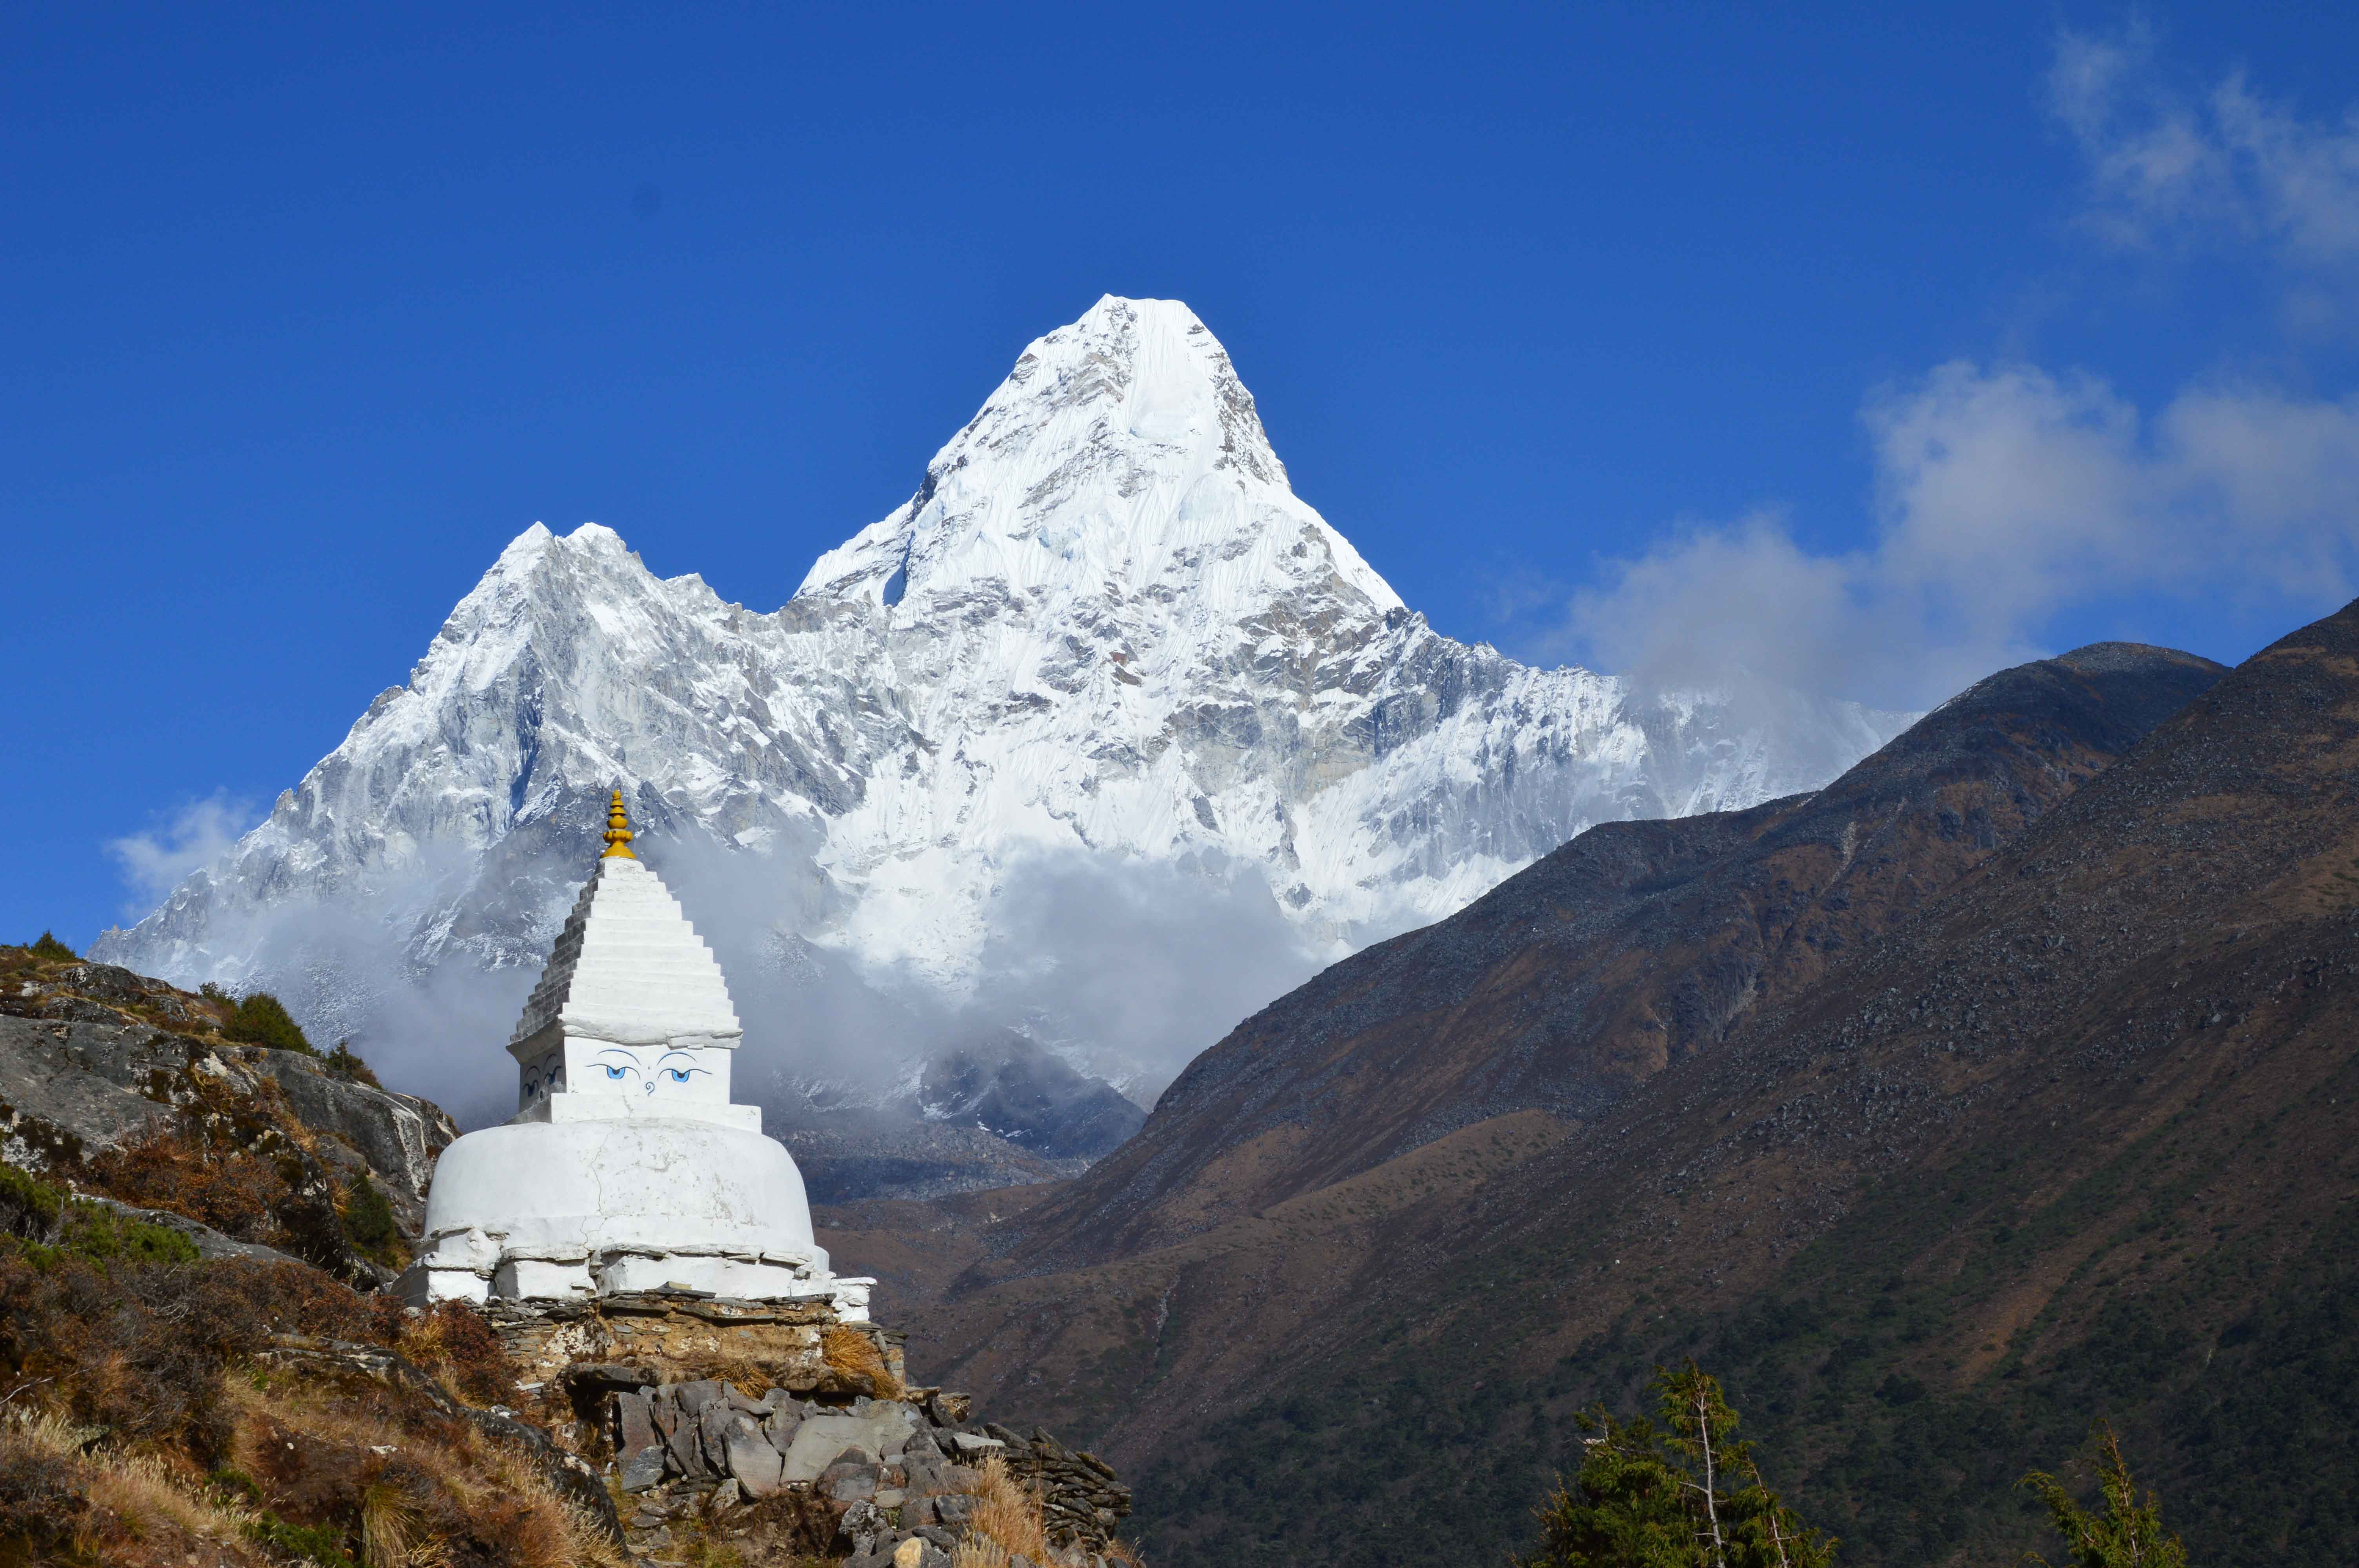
{"x":1685,"y":1494}
{"x":2124,"y":1535}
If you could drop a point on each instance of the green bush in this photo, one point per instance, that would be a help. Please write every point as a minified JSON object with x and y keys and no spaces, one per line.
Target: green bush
{"x":261,"y":1018}
{"x":52,"y":1223}
{"x":368,"y":1221}
{"x":48,"y":949}
{"x":346,"y":1064}
{"x":322,"y":1545}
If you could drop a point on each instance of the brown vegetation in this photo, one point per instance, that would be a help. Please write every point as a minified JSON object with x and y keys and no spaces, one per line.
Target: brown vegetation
{"x":146,"y":1411}
{"x":1007,"y":1521}
{"x":861,"y":1366}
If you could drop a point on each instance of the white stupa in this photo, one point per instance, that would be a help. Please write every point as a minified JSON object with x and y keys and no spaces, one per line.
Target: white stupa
{"x":625,"y":1167}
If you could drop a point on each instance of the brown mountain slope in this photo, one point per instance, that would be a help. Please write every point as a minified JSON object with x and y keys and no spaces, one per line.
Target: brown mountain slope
{"x":1633,"y":948}
{"x":1144,"y":1349}
{"x":2078,"y":1138}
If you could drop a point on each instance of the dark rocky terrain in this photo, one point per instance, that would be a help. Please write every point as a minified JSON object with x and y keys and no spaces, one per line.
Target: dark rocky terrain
{"x":126,"y":1088}
{"x":2005,"y":1083}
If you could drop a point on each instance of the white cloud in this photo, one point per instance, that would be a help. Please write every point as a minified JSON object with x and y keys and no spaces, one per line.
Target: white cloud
{"x":154,"y":862}
{"x":2005,"y":496}
{"x":2168,"y":164}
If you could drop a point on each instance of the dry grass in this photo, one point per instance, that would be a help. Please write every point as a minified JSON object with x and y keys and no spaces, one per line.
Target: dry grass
{"x":133,"y":1506}
{"x":432,"y":1492}
{"x":1006,"y":1523}
{"x":855,"y":1355}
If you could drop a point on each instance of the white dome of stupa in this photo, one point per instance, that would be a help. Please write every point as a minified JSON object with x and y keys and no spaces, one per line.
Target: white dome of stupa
{"x":626,"y":1166}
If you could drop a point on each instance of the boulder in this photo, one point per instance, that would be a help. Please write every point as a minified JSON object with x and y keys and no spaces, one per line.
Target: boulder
{"x":843,"y":1483}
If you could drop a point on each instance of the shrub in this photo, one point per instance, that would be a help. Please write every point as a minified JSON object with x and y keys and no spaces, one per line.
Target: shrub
{"x":368,"y":1222}
{"x":50,"y":950}
{"x":345,"y":1064}
{"x":451,"y":1340}
{"x":261,"y":1018}
{"x":49,"y":1223}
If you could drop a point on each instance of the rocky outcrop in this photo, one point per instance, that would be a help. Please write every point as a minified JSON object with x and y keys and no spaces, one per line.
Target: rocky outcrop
{"x":108,"y":1079}
{"x":780,"y":1431}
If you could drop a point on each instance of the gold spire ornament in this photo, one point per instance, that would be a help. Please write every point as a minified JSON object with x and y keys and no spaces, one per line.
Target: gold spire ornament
{"x":618,"y":831}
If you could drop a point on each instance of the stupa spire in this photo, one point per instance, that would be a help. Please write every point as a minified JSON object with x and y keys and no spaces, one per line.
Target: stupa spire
{"x":618,"y":831}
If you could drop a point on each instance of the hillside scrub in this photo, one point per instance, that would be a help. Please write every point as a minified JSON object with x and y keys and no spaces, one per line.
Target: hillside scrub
{"x":261,"y":1019}
{"x":152,"y":1410}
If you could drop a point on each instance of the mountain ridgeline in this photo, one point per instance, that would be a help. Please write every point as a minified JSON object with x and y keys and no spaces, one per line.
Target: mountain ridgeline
{"x":1103,"y":698}
{"x":2006,"y":1082}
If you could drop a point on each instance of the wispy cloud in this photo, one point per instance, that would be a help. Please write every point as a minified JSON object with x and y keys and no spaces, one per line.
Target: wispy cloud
{"x":2166,"y":166}
{"x":154,"y":862}
{"x":2004,"y":495}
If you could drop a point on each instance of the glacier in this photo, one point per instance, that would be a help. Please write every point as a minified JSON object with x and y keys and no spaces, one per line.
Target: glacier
{"x":1105,"y":734}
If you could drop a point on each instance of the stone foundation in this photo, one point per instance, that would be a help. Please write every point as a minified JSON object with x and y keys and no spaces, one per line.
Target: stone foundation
{"x":802,"y":1347}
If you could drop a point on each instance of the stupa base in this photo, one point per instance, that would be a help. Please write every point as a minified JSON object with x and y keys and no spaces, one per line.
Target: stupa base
{"x":434,"y":1279}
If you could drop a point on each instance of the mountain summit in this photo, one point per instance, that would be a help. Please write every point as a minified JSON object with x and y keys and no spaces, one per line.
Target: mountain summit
{"x":1104,"y":733}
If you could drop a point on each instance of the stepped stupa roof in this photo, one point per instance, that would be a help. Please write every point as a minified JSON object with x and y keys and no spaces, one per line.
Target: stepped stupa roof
{"x":628,"y":967}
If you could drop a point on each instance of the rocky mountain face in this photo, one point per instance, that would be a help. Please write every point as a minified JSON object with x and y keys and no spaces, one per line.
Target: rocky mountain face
{"x":1101,"y":692}
{"x":124,"y":1087}
{"x":2034,"y":1103}
{"x":1636,"y":946}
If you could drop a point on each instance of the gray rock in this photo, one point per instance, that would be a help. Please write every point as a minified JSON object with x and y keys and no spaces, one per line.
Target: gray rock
{"x":819,"y":1440}
{"x":712,"y":1426}
{"x":81,"y":1086}
{"x":758,"y":1467}
{"x":779,"y":1429}
{"x":693,"y":1397}
{"x":954,"y":1508}
{"x":210,"y":1243}
{"x":687,"y":1451}
{"x":847,"y":1482}
{"x":864,"y":1526}
{"x":644,"y":1469}
{"x":725,"y":1496}
{"x":635,"y":1426}
{"x":977,"y":1449}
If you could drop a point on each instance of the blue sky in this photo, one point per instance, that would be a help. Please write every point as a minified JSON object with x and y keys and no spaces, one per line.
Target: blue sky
{"x":1873,"y":347}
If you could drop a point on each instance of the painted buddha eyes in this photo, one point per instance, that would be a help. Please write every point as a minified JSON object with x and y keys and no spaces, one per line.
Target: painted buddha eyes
{"x":676,"y":1066}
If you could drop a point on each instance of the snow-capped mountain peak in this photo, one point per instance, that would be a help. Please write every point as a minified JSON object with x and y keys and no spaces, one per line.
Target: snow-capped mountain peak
{"x":1105,"y":732}
{"x":1122,"y":449}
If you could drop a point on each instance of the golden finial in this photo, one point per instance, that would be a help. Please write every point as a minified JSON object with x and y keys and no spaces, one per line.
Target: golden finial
{"x":618,"y":832}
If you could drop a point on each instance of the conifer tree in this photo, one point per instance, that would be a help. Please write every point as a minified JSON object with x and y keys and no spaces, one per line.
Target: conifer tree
{"x":2124,"y":1535}
{"x":1685,"y":1494}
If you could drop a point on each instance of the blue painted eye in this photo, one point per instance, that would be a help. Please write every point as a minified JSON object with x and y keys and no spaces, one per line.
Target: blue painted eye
{"x":679,"y":1075}
{"x":613,"y":1072}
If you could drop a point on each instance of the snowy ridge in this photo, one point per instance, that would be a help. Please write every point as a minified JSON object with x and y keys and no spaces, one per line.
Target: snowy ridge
{"x":1103,"y":632}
